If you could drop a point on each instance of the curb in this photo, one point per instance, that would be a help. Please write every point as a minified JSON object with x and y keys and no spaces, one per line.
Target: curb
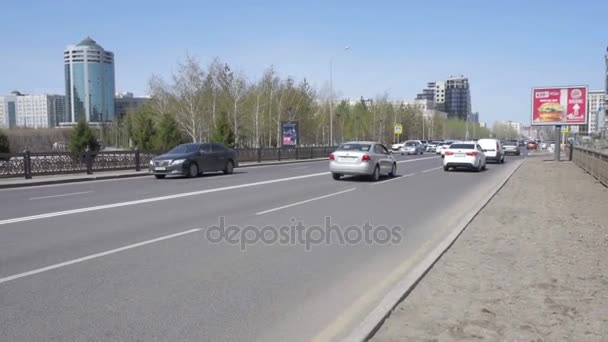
{"x":374,"y":321}
{"x":133,"y":175}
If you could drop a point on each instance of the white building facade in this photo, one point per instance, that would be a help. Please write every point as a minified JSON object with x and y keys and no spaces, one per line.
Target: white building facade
{"x":39,"y":111}
{"x":595,"y":103}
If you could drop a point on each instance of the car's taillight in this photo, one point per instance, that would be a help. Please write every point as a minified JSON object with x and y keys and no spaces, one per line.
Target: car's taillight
{"x":472,"y":154}
{"x":449,"y":153}
{"x":331,"y":157}
{"x":365,"y":158}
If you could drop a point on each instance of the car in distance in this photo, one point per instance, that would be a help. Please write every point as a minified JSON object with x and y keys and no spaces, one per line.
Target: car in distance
{"x":412,"y":147}
{"x":362,"y":158}
{"x":511,"y":147}
{"x":191,"y":160}
{"x":432,"y":146}
{"x":532,"y":145}
{"x":468,"y":155}
{"x":442,"y":146}
{"x":492,"y":149}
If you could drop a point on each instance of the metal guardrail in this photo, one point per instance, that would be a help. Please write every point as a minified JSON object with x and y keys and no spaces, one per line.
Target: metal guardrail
{"x":592,"y":161}
{"x":28,"y":164}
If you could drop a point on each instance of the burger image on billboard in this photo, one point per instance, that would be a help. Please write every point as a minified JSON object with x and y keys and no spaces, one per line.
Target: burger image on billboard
{"x":551,"y":112}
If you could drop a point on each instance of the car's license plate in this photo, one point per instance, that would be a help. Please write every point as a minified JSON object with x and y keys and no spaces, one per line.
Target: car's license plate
{"x":459,"y":155}
{"x":160,"y":168}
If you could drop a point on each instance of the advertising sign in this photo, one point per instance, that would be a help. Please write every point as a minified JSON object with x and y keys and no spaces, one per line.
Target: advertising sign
{"x":559,"y":106}
{"x":289,"y":131}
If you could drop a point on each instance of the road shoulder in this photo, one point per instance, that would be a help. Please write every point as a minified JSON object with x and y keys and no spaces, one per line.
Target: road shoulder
{"x":531,"y":266}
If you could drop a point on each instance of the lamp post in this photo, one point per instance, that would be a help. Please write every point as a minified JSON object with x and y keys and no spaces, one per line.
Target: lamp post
{"x":331,"y":99}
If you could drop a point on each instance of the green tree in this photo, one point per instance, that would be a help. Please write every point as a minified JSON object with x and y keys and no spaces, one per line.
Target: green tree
{"x":82,"y":136}
{"x":142,"y":128}
{"x":168,"y":134}
{"x":5,"y":146}
{"x":223,"y":132}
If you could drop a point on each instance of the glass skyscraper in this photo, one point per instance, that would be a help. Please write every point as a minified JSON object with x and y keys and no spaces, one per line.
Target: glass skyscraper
{"x":89,"y":83}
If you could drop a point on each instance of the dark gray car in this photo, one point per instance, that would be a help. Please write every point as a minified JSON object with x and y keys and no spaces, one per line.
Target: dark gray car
{"x":191,"y":160}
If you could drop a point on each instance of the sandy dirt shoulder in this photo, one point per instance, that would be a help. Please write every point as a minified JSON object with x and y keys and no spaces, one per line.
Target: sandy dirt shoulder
{"x":532,"y":266}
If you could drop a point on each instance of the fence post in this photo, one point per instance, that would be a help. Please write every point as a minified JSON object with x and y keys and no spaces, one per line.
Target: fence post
{"x":88,"y":161}
{"x":27,"y":164}
{"x":297,"y":153}
{"x":137,"y":163}
{"x":279,"y":154}
{"x":259,"y":154}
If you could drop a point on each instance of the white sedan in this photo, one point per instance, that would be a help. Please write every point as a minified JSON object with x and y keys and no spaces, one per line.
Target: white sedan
{"x":464,"y":155}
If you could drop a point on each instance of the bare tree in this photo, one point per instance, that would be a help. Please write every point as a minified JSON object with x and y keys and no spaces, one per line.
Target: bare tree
{"x":189,"y":83}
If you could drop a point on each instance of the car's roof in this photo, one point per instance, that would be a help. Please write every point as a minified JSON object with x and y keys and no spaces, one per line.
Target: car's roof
{"x":360,"y":142}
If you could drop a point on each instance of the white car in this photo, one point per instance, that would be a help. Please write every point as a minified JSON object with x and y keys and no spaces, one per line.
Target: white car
{"x":446,"y":146}
{"x":362,"y":158}
{"x":492,"y":148}
{"x":431,"y":146}
{"x":468,"y":155}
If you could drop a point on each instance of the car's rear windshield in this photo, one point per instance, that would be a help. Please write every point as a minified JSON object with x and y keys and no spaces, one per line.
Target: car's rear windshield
{"x":511,"y":143}
{"x":463,"y":146}
{"x":411,"y":143}
{"x":354,"y":147}
{"x":188,"y":148}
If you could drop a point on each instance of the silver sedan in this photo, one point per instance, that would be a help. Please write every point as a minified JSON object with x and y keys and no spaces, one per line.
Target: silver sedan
{"x":362,"y":158}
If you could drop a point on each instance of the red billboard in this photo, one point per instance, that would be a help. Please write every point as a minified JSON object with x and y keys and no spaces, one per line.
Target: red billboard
{"x":559,"y":106}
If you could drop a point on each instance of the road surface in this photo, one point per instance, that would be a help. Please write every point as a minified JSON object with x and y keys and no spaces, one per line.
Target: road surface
{"x":131,"y":259}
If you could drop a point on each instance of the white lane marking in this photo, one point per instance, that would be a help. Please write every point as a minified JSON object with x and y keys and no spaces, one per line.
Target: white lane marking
{"x":413,"y":160}
{"x":62,"y":195}
{"x":393,"y":179}
{"x":156,"y":199}
{"x":303,"y":202}
{"x":94,"y":256}
{"x":433,"y":169}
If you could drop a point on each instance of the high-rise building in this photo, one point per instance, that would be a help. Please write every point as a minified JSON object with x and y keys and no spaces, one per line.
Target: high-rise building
{"x":126,"y":102}
{"x":457,"y":97}
{"x":474,"y":117}
{"x":8,"y":111}
{"x":595,"y":103}
{"x":606,"y":91}
{"x":452,"y":96}
{"x":40,"y":111}
{"x":89,"y":83}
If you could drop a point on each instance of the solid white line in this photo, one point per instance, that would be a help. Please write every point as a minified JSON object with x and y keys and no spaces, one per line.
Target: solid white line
{"x":94,"y":256}
{"x":413,"y":160}
{"x":302,"y":202}
{"x":62,"y":195}
{"x":156,"y":199}
{"x":433,"y":169}
{"x":393,"y":179}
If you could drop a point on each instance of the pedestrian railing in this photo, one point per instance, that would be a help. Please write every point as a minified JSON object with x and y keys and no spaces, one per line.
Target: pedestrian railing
{"x":592,"y":161}
{"x":28,"y":164}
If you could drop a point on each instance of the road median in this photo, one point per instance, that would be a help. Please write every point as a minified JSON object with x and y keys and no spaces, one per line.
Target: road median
{"x":532,"y":265}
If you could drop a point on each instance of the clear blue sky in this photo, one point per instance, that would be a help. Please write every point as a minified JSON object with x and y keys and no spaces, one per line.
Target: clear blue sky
{"x":504,"y":47}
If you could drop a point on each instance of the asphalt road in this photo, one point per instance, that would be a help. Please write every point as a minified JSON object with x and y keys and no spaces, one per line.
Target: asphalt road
{"x":131,"y":259}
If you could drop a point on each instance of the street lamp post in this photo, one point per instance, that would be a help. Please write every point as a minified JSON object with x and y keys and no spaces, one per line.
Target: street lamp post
{"x":331,"y":99}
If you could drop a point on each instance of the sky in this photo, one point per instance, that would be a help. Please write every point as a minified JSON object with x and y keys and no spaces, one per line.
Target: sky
{"x":504,"y":47}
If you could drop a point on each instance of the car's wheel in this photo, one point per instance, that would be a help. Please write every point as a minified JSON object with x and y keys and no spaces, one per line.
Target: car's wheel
{"x":193,"y":170}
{"x":484,"y":167}
{"x":159,"y":176}
{"x":393,"y":171}
{"x":336,"y":176}
{"x":446,"y":168}
{"x":376,"y":174}
{"x":229,"y":168}
{"x":478,"y":168}
{"x":502,"y":159}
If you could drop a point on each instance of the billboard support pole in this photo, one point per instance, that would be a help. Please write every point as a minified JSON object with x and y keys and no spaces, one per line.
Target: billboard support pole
{"x":558,"y":143}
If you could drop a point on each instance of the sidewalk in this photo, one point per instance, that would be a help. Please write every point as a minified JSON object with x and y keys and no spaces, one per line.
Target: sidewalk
{"x":14,"y":182}
{"x":532,"y":266}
